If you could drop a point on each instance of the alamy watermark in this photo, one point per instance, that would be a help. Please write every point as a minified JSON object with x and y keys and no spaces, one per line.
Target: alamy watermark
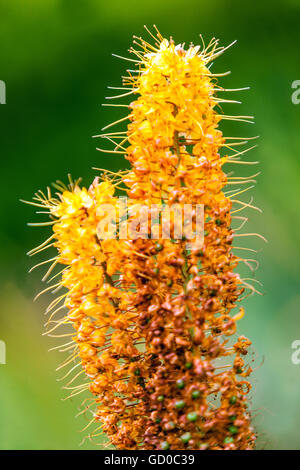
{"x":295,"y":97}
{"x":129,"y":220}
{"x":295,"y":357}
{"x":2,"y":92}
{"x":2,"y":352}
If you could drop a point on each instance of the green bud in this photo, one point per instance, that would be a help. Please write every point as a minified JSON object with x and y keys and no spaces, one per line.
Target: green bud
{"x":192,"y":416}
{"x":165,"y":445}
{"x":196,"y":394}
{"x":179,"y":404}
{"x":228,"y":440}
{"x":180,"y":383}
{"x":186,"y":437}
{"x":233,"y":429}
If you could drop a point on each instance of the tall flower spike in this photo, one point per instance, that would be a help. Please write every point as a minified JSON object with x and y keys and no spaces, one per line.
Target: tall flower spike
{"x":153,"y":316}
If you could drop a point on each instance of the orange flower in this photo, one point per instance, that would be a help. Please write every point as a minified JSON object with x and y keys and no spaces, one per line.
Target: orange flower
{"x":153,"y":317}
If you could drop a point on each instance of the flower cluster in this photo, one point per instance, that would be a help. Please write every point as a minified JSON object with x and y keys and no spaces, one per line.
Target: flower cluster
{"x":154,"y":319}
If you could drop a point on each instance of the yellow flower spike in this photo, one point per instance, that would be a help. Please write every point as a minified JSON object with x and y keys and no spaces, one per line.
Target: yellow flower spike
{"x":153,"y":315}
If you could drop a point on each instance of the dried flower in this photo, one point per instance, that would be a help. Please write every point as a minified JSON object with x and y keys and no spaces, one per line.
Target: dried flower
{"x":153,"y":317}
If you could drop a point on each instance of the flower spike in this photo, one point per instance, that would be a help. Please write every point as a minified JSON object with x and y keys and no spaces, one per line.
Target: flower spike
{"x":154,"y":316}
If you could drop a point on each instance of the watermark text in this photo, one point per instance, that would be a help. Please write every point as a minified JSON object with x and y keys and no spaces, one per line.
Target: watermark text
{"x":295,"y":357}
{"x":2,"y":92}
{"x":2,"y":352}
{"x":129,"y":220}
{"x":295,"y":97}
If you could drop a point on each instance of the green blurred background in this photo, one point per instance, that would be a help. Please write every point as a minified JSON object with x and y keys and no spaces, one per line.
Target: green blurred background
{"x":55,"y":57}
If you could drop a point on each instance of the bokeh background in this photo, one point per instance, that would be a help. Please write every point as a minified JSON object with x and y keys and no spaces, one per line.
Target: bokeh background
{"x":55,"y":57}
